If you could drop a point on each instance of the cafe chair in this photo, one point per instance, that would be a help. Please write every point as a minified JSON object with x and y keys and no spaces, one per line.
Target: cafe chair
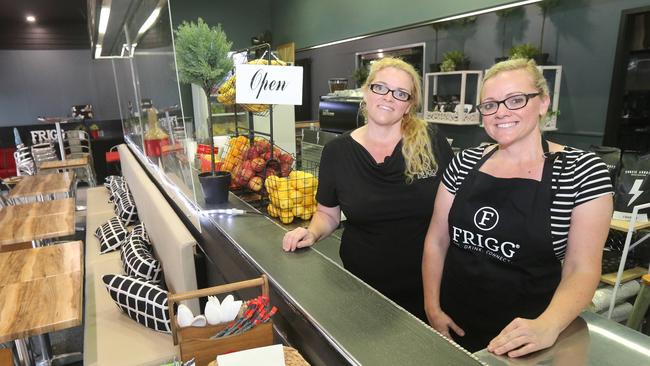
{"x":24,"y":161}
{"x":43,"y":152}
{"x":76,"y":144}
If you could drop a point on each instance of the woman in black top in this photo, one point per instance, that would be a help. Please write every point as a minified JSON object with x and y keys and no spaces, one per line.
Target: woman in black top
{"x":384,"y":177}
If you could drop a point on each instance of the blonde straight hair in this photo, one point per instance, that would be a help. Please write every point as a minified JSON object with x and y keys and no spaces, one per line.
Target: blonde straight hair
{"x":416,"y":143}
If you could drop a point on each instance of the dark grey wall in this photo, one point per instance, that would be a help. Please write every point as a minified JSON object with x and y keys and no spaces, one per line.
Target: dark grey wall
{"x":239,"y":19}
{"x":313,"y":22}
{"x":580,"y":35}
{"x":49,"y":83}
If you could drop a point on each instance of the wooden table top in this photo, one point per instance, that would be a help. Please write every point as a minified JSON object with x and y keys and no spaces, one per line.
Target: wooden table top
{"x":622,"y":225}
{"x":35,"y":221}
{"x":35,"y":185}
{"x":43,"y":293}
{"x":64,"y":164}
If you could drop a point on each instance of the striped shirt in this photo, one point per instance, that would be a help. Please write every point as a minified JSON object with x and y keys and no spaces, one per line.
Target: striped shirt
{"x":581,"y":176}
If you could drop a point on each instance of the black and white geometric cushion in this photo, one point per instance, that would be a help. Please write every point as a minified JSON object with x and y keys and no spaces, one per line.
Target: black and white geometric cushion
{"x":143,"y":301}
{"x":139,"y":261}
{"x":111,"y":178}
{"x":141,"y":232}
{"x":116,"y":184}
{"x":111,"y":235}
{"x":116,"y":190}
{"x":125,"y":209}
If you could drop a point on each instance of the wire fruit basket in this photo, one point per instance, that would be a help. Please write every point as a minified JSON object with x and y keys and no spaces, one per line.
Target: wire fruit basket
{"x":270,"y":179}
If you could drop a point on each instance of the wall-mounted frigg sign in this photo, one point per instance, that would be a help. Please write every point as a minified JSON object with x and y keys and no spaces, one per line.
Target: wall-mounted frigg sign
{"x":39,"y":136}
{"x":262,"y":84}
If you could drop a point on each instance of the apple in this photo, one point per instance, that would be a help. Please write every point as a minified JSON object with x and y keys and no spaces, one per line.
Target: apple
{"x":241,"y":181}
{"x":262,"y":146}
{"x":255,"y":184}
{"x":286,"y":158}
{"x":270,"y":172}
{"x":258,"y":164}
{"x":247,"y":174}
{"x":251,"y":153}
{"x":285,"y":169}
{"x":246,"y":165}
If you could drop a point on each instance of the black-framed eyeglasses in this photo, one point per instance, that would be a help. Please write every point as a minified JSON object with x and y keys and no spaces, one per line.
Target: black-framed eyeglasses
{"x":512,"y":102}
{"x":382,"y":89}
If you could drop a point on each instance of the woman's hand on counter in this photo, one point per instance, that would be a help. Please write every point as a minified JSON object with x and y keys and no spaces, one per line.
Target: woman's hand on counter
{"x":298,"y":238}
{"x":441,"y":322}
{"x":523,"y":336}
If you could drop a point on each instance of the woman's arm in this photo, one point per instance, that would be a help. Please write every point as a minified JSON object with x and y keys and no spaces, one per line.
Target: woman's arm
{"x":436,"y":244}
{"x":324,"y":222}
{"x":580,"y":276}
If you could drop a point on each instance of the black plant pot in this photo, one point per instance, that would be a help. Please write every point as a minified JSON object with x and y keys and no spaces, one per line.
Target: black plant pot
{"x":434,"y":67}
{"x":541,"y":59}
{"x":215,"y":187}
{"x":462,"y":66}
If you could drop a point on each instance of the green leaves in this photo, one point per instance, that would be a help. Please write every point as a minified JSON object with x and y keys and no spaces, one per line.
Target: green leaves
{"x":524,"y":50}
{"x":202,"y":54}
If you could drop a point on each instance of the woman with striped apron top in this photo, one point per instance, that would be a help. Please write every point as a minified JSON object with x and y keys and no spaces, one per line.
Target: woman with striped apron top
{"x":514,"y":247}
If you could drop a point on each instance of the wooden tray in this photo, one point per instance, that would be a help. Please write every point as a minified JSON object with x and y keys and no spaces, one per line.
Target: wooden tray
{"x":194,"y":342}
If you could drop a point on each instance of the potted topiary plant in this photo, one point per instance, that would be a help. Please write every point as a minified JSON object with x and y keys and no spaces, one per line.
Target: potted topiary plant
{"x":360,"y":75}
{"x":528,"y":51}
{"x":545,"y":6}
{"x":437,"y":27}
{"x":454,"y":60}
{"x":202,"y":59}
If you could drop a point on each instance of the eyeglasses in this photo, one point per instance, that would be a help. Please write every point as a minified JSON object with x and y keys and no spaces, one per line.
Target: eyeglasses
{"x":382,"y":89}
{"x":513,"y":102}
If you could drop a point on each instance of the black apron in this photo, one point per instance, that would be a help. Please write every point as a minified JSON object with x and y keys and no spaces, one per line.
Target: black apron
{"x":500,"y":263}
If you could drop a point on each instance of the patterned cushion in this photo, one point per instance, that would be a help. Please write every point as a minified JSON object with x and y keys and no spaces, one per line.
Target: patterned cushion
{"x":116,"y":189}
{"x":139,"y":261}
{"x":125,"y":209}
{"x":143,"y":301}
{"x":110,"y":235}
{"x":140,"y":231}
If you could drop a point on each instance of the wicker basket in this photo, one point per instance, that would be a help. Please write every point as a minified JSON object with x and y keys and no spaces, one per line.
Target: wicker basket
{"x":195,"y":342}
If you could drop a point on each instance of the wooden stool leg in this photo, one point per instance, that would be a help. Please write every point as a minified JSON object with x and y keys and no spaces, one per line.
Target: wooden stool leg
{"x":6,"y":358}
{"x":641,"y":305}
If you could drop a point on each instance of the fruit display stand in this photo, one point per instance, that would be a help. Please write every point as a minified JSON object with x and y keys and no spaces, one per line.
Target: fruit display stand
{"x":263,"y":174}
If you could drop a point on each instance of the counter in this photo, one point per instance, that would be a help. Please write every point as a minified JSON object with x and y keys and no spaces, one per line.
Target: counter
{"x":590,"y":340}
{"x":324,"y":311}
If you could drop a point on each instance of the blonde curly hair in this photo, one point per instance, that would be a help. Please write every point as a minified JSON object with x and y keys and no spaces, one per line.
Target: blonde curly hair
{"x":416,"y":143}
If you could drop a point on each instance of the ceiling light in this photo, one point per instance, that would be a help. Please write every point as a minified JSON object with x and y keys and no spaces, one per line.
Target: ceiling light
{"x":103,"y":19}
{"x":488,"y":10}
{"x":30,"y":18}
{"x":149,"y":22}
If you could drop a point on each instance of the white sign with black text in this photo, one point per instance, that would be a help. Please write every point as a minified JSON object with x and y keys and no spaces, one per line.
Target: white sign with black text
{"x":262,"y":84}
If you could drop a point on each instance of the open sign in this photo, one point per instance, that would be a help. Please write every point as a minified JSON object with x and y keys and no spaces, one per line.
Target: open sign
{"x":263,"y":84}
